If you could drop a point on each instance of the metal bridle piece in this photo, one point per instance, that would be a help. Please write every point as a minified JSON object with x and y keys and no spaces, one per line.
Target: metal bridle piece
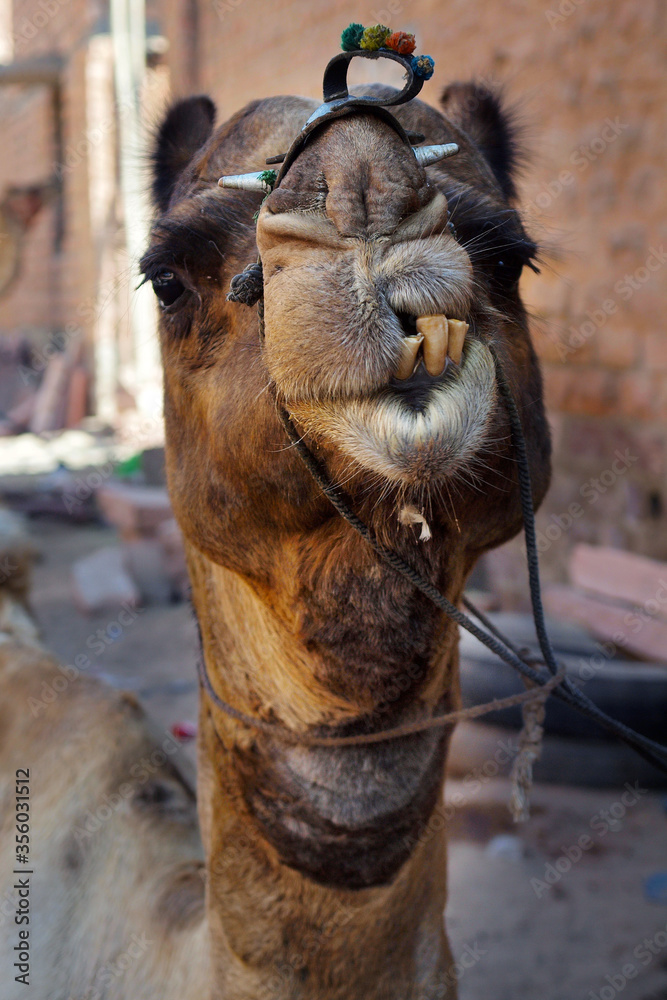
{"x":339,"y":102}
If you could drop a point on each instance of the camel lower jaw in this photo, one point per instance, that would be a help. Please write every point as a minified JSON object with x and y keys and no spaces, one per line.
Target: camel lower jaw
{"x":385,"y":434}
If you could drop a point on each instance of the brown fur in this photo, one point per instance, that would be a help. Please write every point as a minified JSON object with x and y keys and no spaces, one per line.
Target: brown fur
{"x":117,"y":894}
{"x":324,"y":878}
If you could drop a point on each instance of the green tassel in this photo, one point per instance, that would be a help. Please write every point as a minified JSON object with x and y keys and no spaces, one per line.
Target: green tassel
{"x":351,"y":37}
{"x":268,"y":177}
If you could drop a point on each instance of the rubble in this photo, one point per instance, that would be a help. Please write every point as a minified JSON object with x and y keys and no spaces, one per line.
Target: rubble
{"x":137,"y":511}
{"x":619,"y":597}
{"x":100,"y":580}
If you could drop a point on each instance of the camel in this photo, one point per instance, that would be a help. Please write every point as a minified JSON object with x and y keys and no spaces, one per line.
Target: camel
{"x":321,"y":871}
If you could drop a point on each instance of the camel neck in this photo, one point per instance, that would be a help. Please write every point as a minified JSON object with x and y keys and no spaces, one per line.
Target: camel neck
{"x":277,"y":934}
{"x":323,"y":878}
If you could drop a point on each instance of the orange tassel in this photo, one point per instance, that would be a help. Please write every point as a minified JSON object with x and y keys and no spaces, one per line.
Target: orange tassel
{"x":401,"y":42}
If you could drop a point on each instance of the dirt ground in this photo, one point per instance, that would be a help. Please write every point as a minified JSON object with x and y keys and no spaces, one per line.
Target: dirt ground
{"x":554,"y":910}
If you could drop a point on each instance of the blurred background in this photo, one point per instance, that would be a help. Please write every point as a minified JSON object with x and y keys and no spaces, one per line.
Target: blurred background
{"x":82,"y":85}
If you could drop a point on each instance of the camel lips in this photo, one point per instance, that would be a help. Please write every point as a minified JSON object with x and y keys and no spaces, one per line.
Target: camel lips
{"x":437,"y":338}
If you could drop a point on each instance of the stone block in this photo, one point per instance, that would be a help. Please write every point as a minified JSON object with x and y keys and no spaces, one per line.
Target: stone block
{"x":100,"y":581}
{"x":137,"y":511}
{"x":621,"y":576}
{"x":629,"y":630}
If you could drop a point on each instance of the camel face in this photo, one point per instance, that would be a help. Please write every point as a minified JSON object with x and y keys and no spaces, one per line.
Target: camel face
{"x":370,"y":266}
{"x":366,"y":257}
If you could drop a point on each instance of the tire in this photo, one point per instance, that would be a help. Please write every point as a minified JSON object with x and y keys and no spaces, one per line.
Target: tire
{"x":632,"y":692}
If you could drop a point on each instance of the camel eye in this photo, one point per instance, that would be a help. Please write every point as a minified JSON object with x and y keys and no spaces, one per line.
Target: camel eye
{"x":507,"y":271}
{"x":167,"y":287}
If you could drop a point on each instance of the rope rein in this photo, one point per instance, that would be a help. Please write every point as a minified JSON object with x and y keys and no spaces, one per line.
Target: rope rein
{"x":532,"y":700}
{"x":535,"y":695}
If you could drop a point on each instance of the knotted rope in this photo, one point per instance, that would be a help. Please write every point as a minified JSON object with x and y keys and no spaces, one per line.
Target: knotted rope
{"x":537,"y":694}
{"x":533,"y":712}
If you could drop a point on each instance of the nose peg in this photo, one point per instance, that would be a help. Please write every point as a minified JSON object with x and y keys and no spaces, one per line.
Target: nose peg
{"x":260,"y":180}
{"x":426,"y":155}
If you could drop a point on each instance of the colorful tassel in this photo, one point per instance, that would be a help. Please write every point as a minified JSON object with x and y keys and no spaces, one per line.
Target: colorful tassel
{"x":374,"y":37}
{"x":422,"y":66}
{"x":351,"y":37}
{"x":401,"y":42}
{"x":268,"y":177}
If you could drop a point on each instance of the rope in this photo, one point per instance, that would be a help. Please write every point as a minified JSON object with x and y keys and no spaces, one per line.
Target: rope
{"x":651,"y":751}
{"x":655,"y":753}
{"x":530,"y":750}
{"x":537,"y":695}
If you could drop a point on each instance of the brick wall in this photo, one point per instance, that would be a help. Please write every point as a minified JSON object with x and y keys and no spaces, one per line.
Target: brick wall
{"x":56,"y":276}
{"x":76,"y":285}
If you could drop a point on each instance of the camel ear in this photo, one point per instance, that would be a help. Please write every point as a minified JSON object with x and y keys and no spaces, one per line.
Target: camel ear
{"x":480,"y":113}
{"x":184,"y":130}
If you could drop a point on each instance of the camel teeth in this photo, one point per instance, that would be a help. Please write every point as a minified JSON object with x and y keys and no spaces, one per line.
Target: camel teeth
{"x":457,"y":335}
{"x":436,"y":337}
{"x":409,"y":351}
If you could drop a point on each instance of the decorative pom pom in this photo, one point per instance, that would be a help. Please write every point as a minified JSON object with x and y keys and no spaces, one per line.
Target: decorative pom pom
{"x":422,"y":66}
{"x":248,"y":286}
{"x":401,"y":42}
{"x":374,"y":37}
{"x":351,"y":37}
{"x":268,"y":177}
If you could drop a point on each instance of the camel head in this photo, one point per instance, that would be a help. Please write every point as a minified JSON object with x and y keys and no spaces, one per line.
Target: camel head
{"x":385,"y":283}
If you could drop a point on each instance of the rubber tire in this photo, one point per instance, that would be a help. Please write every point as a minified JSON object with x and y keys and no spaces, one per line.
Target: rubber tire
{"x":631,"y":692}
